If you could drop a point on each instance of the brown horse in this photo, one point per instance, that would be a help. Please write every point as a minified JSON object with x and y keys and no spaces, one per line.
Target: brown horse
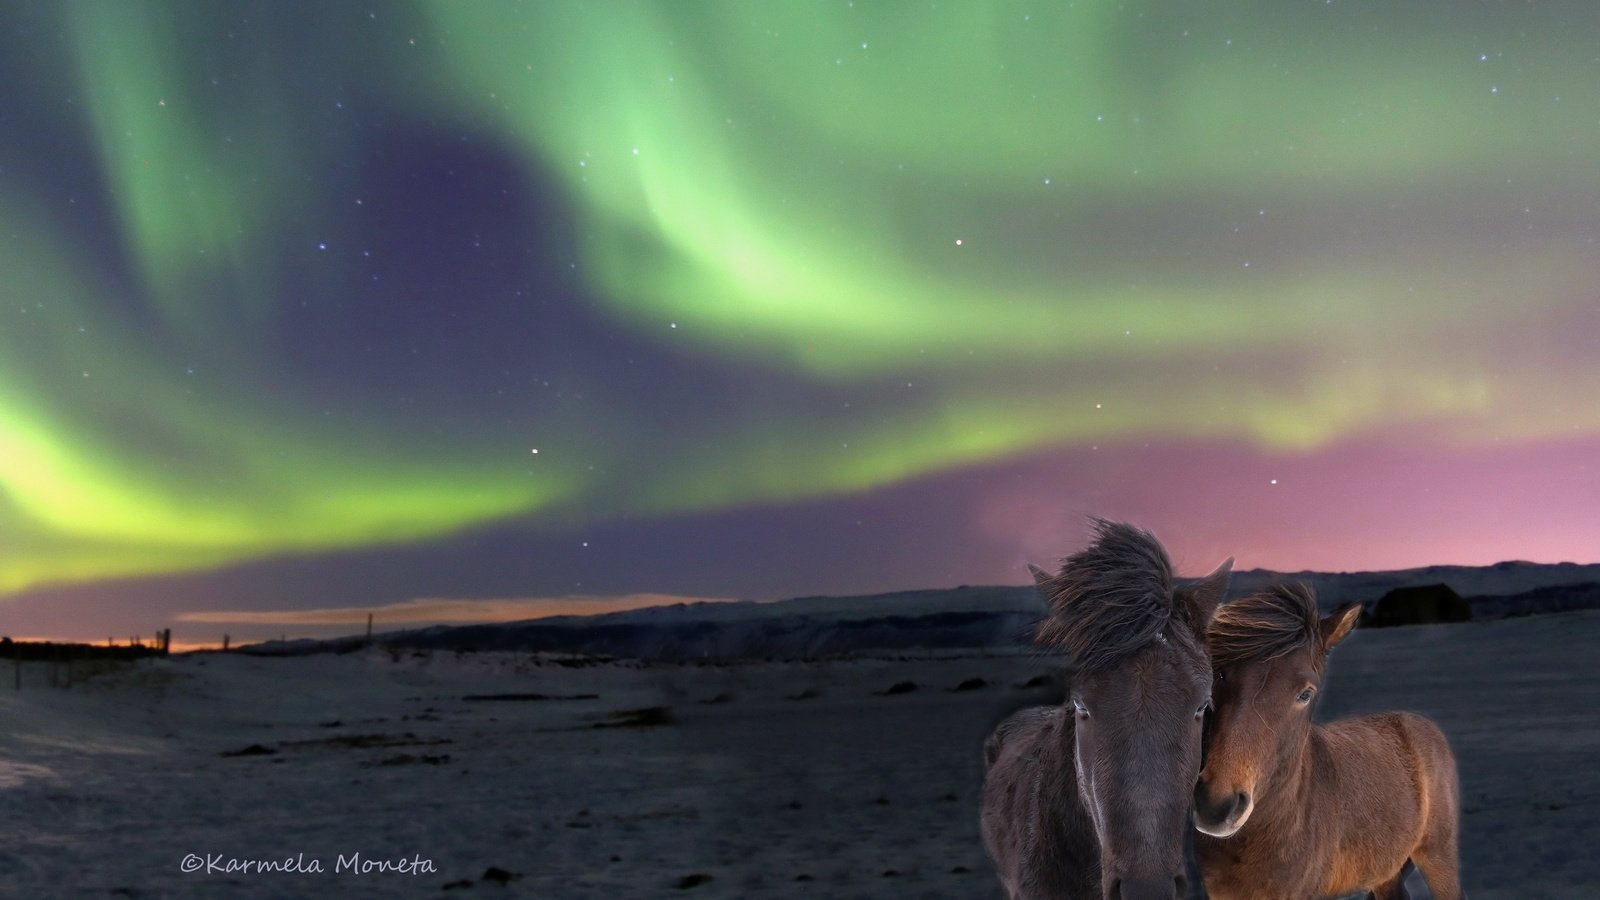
{"x":1288,"y":809}
{"x":1088,"y":800}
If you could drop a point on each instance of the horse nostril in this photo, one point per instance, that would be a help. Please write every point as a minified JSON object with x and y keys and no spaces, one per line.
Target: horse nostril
{"x":1180,"y":887}
{"x":1115,"y":893}
{"x":1241,"y":802}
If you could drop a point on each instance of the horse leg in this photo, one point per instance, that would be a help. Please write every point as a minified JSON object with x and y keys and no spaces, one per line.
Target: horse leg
{"x":1394,"y":888}
{"x":1441,"y":865}
{"x":1439,"y":856}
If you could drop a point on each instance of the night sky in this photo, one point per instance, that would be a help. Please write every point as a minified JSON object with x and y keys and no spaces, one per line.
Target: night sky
{"x":475,"y":310}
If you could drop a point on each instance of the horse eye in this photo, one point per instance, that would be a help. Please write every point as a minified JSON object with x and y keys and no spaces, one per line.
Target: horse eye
{"x":1201,"y":712}
{"x":1306,"y":695}
{"x":1082,"y":711}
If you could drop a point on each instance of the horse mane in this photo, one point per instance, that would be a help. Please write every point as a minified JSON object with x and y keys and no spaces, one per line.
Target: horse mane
{"x":1112,"y":599}
{"x":1265,"y":625}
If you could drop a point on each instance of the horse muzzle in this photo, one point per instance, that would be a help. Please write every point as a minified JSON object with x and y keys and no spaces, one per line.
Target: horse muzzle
{"x":1220,"y":817}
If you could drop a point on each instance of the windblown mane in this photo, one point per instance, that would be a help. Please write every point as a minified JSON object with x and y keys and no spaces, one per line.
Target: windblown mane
{"x":1265,"y":625}
{"x":1113,"y":598}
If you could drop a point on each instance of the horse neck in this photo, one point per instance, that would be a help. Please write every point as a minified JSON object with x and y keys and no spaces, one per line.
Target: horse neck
{"x":1068,"y":803}
{"x":1288,"y":800}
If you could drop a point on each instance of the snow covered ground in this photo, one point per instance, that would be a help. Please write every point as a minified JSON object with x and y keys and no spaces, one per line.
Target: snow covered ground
{"x":759,"y":780}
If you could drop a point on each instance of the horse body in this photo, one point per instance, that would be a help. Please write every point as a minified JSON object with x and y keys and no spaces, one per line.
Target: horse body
{"x":1289,"y":810}
{"x":1088,"y":800}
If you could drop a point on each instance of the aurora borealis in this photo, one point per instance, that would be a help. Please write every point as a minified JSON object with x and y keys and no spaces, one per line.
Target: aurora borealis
{"x":788,"y":298}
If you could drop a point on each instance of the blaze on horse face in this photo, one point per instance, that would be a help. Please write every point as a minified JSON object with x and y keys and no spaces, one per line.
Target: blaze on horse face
{"x":1263,"y":715}
{"x":1137,"y":739}
{"x":1138,"y":754}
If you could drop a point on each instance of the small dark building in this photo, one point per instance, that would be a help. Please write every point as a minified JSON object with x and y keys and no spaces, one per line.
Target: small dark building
{"x":1422,"y":604}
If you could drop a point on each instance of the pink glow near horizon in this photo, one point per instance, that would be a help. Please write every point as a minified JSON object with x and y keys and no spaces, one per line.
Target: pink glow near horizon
{"x":1352,"y":507}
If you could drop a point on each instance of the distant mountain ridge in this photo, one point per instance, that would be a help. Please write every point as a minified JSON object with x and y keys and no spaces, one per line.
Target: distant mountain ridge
{"x":975,"y":617}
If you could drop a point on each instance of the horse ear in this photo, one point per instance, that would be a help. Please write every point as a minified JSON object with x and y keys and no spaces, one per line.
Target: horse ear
{"x":1040,"y":576}
{"x":1338,"y":624}
{"x":1205,"y":594}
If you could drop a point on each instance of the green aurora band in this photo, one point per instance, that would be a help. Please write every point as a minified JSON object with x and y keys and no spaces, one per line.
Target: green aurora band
{"x":1002,"y":227}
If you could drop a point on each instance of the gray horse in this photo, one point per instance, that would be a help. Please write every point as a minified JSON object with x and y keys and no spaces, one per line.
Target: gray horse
{"x":1090,"y":800}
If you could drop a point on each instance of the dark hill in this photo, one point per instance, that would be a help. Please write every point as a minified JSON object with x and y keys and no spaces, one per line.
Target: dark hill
{"x":976,"y":618}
